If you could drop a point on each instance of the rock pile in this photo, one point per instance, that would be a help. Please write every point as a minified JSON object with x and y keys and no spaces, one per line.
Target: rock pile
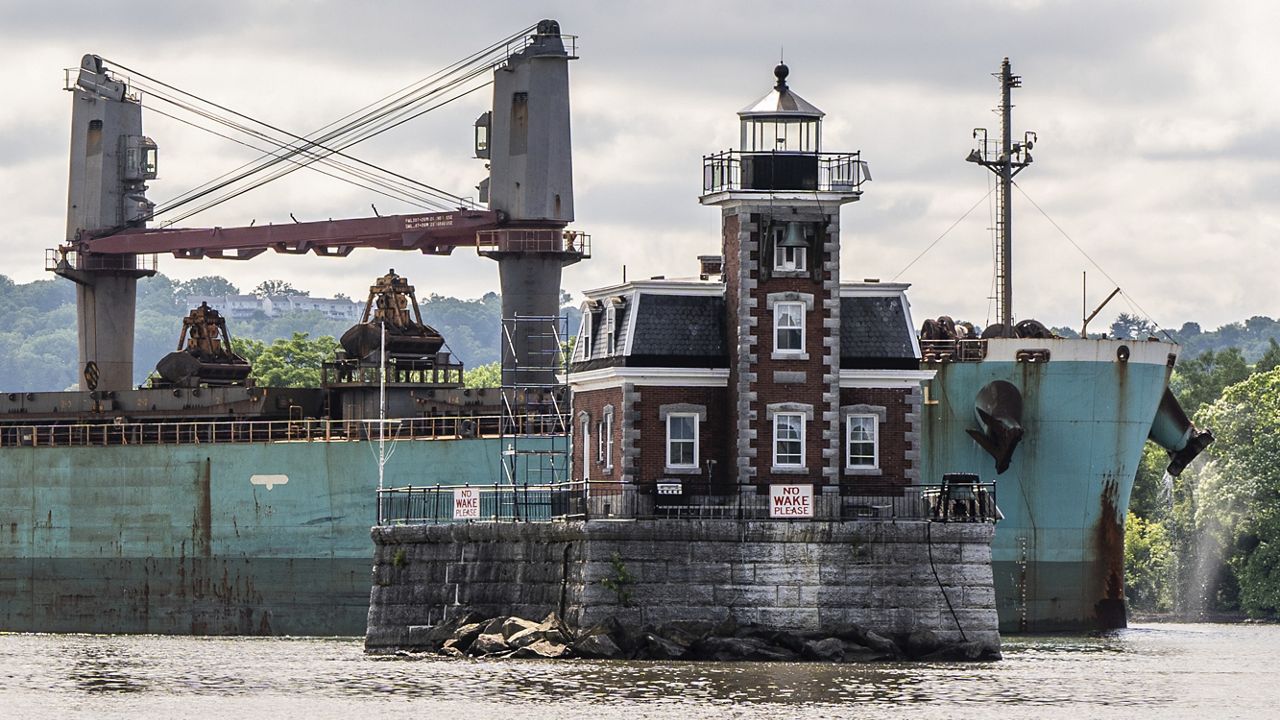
{"x":474,"y":636}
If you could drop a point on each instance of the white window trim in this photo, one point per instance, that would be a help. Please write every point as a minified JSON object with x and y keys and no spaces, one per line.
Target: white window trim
{"x":779,"y":352}
{"x":586,"y":447}
{"x":875,"y":442}
{"x":697,"y":456}
{"x":608,"y":440}
{"x":584,"y":334}
{"x":777,"y":418}
{"x":610,"y":330}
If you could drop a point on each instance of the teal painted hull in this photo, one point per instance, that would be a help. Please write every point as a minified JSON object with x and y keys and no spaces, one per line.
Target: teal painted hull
{"x":178,"y":539}
{"x":1059,"y":551}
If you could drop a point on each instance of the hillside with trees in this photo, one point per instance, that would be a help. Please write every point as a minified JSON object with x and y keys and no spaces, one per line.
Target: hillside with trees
{"x":38,"y":330}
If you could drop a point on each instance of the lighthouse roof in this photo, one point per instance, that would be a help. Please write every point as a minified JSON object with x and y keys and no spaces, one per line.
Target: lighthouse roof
{"x":781,"y":101}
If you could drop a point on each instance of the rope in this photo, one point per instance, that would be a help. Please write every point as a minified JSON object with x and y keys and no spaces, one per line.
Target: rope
{"x":1129,"y":298}
{"x":944,"y":234}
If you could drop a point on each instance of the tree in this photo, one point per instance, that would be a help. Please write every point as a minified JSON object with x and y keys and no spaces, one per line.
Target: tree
{"x":1148,"y":565}
{"x":1201,"y":380}
{"x":207,"y":286}
{"x":278,"y":288}
{"x":1132,"y":327}
{"x":1236,"y":508}
{"x":1270,"y":359}
{"x":294,"y":362}
{"x":488,"y":375}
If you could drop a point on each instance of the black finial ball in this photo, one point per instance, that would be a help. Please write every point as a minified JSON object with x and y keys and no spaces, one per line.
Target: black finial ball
{"x":781,"y":72}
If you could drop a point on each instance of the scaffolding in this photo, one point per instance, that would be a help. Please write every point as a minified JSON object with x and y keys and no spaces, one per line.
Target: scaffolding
{"x":535,"y":400}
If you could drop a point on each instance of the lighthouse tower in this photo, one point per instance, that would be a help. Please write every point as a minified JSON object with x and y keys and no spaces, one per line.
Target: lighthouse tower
{"x":780,"y":197}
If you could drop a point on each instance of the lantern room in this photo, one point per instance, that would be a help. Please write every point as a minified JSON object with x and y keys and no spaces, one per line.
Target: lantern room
{"x":781,"y":151}
{"x":781,"y":121}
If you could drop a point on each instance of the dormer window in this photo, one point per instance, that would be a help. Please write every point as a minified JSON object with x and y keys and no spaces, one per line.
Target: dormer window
{"x":584,"y":334}
{"x":610,"y":329}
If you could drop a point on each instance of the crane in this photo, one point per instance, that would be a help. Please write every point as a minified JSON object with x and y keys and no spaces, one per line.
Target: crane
{"x":529,"y":191}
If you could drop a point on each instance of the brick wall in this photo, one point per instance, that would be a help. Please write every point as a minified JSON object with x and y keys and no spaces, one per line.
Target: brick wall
{"x":713,"y":434}
{"x":898,"y":444}
{"x":593,"y":402}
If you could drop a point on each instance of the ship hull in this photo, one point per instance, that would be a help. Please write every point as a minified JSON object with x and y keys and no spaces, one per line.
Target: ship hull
{"x":203,"y":538}
{"x":1058,"y":553}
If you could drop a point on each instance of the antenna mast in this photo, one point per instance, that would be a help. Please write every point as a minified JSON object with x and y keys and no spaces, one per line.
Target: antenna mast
{"x":1006,"y":159}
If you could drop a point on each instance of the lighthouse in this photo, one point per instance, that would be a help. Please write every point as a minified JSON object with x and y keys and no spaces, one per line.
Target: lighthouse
{"x":780,"y":197}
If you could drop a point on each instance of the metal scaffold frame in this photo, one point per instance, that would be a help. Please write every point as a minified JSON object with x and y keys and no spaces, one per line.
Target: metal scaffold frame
{"x":535,"y":400}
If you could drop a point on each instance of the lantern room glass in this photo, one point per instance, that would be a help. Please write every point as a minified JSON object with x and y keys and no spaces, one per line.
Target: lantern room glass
{"x":781,"y":134}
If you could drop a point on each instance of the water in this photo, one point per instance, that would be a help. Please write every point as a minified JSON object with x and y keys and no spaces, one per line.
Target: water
{"x":1155,"y":671}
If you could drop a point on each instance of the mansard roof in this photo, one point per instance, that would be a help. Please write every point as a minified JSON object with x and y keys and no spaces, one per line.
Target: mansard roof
{"x":659,"y":323}
{"x":876,"y":329}
{"x":682,"y":324}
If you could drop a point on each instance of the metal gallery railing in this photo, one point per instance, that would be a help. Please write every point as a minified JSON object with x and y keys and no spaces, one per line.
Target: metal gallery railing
{"x":733,"y":170}
{"x":496,"y":502}
{"x":435,"y":504}
{"x":262,"y":431}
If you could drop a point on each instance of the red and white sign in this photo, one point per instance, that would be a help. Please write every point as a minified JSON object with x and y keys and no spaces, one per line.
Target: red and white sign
{"x":791,"y":501}
{"x":466,"y":504}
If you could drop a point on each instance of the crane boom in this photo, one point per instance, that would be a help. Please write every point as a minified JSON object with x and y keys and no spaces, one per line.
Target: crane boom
{"x":430,"y":233}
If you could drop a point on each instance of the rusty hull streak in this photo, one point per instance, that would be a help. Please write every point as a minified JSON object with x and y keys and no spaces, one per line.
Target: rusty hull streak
{"x":1109,"y":611}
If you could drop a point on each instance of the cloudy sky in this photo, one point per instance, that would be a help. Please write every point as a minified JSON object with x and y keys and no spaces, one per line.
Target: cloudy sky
{"x":1159,"y":127}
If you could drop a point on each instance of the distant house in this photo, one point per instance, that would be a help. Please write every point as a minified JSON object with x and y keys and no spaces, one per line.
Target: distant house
{"x":332,"y":308}
{"x":240,"y":307}
{"x":232,"y":307}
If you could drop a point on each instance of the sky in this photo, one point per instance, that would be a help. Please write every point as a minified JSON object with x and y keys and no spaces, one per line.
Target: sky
{"x":1158,"y":126}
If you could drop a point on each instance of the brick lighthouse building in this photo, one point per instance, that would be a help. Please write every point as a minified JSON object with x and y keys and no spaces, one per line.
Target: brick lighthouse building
{"x":764,"y":370}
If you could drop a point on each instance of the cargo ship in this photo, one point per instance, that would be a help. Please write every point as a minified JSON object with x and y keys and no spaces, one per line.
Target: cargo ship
{"x":203,"y":504}
{"x":1059,"y":424}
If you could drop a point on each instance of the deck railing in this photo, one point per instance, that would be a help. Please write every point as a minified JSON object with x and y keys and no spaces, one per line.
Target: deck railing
{"x":953,"y":350}
{"x":434,"y":504}
{"x":261,"y":431}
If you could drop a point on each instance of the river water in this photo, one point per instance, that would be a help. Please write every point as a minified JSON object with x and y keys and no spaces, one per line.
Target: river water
{"x":1152,"y":671}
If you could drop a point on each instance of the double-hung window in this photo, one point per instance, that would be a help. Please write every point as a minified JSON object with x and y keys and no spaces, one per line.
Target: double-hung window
{"x":862,"y":441}
{"x":788,"y":440}
{"x":682,"y":440}
{"x":610,"y":332}
{"x":788,"y":327}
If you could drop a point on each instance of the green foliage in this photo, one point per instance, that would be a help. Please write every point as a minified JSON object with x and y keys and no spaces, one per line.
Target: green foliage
{"x":1236,"y":514}
{"x":1148,"y":565}
{"x":38,"y":327}
{"x":288,"y":363}
{"x":211,"y":285}
{"x":1132,"y":327}
{"x":399,"y":559}
{"x":1148,"y":499}
{"x":620,"y":581}
{"x":1252,"y":337}
{"x":1270,"y":359}
{"x":277,"y":288}
{"x":1200,"y":380}
{"x":488,"y":375}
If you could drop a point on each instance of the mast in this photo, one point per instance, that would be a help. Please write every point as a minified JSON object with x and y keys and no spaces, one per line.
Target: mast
{"x":1006,"y":160}
{"x":382,"y":404}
